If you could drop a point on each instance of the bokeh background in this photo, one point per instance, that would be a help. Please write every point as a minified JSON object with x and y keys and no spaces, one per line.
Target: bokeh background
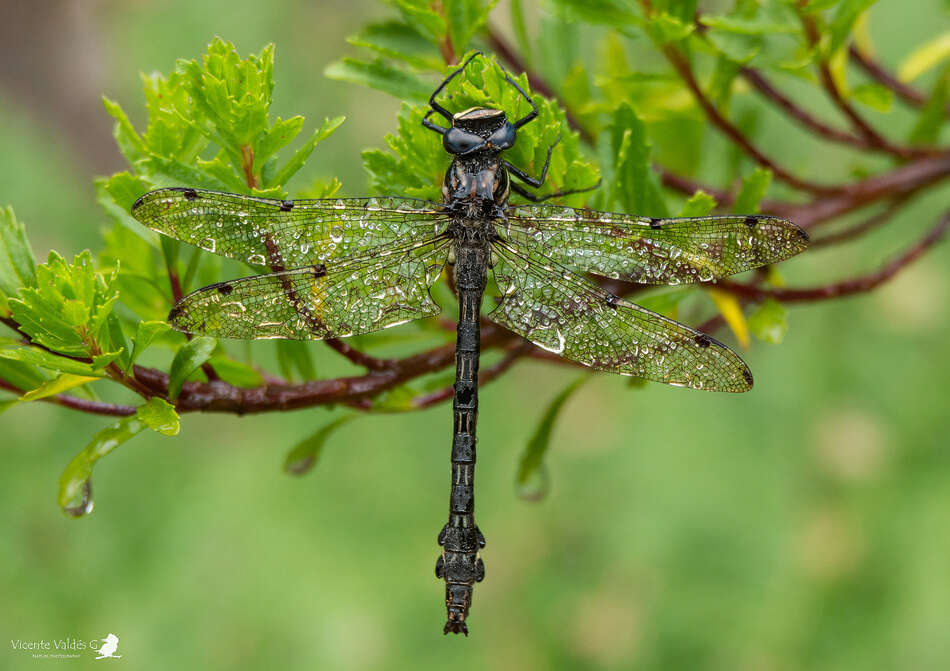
{"x":801,"y":526}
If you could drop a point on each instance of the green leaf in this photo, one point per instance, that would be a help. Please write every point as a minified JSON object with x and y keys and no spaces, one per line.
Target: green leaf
{"x":700,"y":204}
{"x":420,"y":13}
{"x":532,"y":459}
{"x":295,"y":355}
{"x":23,"y":375}
{"x":303,"y":457}
{"x":753,"y":191}
{"x":875,"y":96}
{"x":57,"y":385}
{"x":68,"y":307}
{"x":401,"y":41}
{"x":15,"y":351}
{"x":75,"y":484}
{"x":17,"y":265}
{"x":635,"y":185}
{"x":160,"y":416}
{"x":665,"y":300}
{"x":844,"y":19}
{"x":934,"y":114}
{"x":925,"y":57}
{"x":465,"y":18}
{"x":236,"y":373}
{"x":192,"y":355}
{"x":130,"y":143}
{"x":769,"y":322}
{"x":381,"y":76}
{"x":145,"y":334}
{"x":758,"y":25}
{"x":297,"y":160}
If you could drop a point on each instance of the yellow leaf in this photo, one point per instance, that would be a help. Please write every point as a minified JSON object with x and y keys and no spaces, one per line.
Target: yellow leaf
{"x":838,"y":66}
{"x":862,"y":35}
{"x":924,"y":58}
{"x":731,"y":311}
{"x":57,"y":385}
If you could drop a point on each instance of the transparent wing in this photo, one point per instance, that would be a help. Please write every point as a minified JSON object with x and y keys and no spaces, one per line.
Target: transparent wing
{"x":573,"y":317}
{"x":656,"y":251}
{"x":301,"y":232}
{"x":332,"y":300}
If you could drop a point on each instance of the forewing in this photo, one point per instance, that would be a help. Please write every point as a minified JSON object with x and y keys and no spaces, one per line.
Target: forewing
{"x":331,"y":300}
{"x":655,"y":251}
{"x":298,"y":232}
{"x":574,"y":318}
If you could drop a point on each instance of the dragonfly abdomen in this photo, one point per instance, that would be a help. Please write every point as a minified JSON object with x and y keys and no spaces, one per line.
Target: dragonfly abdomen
{"x":460,"y":566}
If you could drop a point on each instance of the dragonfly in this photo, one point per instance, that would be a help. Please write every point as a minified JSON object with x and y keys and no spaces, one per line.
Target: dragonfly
{"x":349,"y":266}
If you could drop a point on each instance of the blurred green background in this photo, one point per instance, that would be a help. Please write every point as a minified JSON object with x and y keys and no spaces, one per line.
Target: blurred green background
{"x":801,"y":526}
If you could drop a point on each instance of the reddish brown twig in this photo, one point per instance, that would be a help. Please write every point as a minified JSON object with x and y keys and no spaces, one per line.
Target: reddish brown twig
{"x":847,"y":287}
{"x":484,"y":377}
{"x":903,"y":180}
{"x":763,"y":86}
{"x":877,"y":72}
{"x":861,"y":228}
{"x":857,"y":121}
{"x":358,"y":357}
{"x":81,"y":404}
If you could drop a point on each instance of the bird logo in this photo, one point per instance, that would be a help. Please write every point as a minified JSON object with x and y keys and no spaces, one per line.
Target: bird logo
{"x":109,"y":646}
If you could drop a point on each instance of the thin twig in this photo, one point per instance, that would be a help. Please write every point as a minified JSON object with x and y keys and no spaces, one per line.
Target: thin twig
{"x":847,"y":287}
{"x":877,"y":72}
{"x":81,"y":404}
{"x":860,"y":229}
{"x":763,"y":86}
{"x":358,"y":357}
{"x":484,"y":377}
{"x":857,"y":121}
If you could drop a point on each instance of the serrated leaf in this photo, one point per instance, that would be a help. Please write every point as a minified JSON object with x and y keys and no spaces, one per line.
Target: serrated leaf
{"x":57,"y":385}
{"x":396,"y":39}
{"x":145,"y":334}
{"x":160,"y":416}
{"x":11,"y":349}
{"x":769,"y":321}
{"x":752,"y":192}
{"x":280,"y":134}
{"x":381,"y":76}
{"x":924,"y":58}
{"x":700,"y":204}
{"x":875,"y":96}
{"x":296,"y":161}
{"x":421,"y":14}
{"x":635,"y":185}
{"x":532,"y":459}
{"x":75,"y":484}
{"x":189,"y":358}
{"x":17,"y":265}
{"x":465,"y":18}
{"x":730,"y":309}
{"x":130,"y":143}
{"x":303,"y":457}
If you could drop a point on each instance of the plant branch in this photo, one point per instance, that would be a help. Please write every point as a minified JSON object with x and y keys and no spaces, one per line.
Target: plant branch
{"x":856,"y":285}
{"x":358,"y":357}
{"x":857,"y":121}
{"x":877,"y":72}
{"x":859,"y":229}
{"x":81,"y":404}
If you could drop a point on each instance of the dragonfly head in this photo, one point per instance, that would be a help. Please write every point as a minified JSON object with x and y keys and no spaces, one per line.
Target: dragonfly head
{"x":479,"y":129}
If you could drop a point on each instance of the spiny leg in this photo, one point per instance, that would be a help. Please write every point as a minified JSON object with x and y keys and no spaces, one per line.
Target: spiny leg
{"x":539,"y":182}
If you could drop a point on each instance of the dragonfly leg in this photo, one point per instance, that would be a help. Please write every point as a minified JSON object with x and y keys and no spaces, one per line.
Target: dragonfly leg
{"x":436,"y":107}
{"x":431,"y":126}
{"x":439,"y":566}
{"x":535,"y":198}
{"x":479,"y":570}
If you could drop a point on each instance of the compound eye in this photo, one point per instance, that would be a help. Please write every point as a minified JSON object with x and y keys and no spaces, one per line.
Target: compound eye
{"x":504,"y":137}
{"x":458,"y":141}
